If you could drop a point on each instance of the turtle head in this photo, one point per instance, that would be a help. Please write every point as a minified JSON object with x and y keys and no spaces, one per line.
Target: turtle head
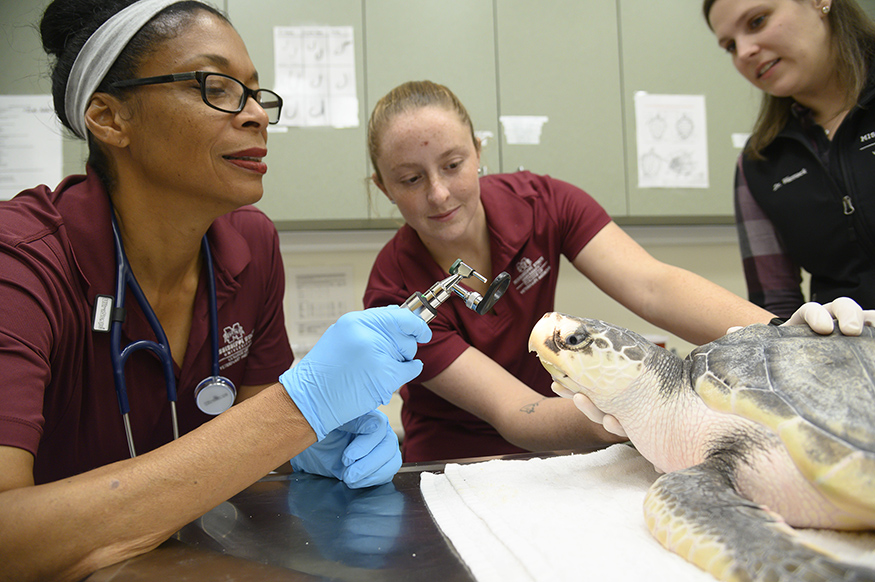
{"x":590,"y":356}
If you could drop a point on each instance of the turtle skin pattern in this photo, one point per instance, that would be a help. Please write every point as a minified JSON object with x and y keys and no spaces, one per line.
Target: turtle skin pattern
{"x":812,"y":396}
{"x":697,"y":513}
{"x":816,"y":393}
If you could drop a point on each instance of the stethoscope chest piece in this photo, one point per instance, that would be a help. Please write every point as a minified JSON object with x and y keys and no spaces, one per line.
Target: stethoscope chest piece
{"x":215,"y":395}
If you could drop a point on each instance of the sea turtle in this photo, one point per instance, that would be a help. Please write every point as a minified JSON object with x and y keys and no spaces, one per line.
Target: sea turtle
{"x":764,"y":427}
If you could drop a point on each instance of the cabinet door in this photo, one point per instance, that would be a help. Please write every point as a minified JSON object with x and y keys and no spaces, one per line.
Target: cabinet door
{"x":451,"y":42}
{"x":667,"y":48}
{"x":564,"y":63}
{"x":315,"y":174}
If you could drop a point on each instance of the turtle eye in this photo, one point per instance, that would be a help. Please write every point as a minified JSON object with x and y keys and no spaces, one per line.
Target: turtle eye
{"x":577,"y":339}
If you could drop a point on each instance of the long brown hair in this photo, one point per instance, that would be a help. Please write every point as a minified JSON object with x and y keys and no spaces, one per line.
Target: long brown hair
{"x":852,"y":38}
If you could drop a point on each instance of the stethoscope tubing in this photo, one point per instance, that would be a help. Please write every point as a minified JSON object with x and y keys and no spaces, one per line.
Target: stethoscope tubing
{"x":125,"y":278}
{"x":214,"y":311}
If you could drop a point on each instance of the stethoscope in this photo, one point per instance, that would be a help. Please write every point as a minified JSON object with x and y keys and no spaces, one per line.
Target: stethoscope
{"x":213,"y":395}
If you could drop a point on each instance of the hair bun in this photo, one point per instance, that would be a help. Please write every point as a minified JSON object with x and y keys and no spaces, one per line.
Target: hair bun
{"x":67,"y":24}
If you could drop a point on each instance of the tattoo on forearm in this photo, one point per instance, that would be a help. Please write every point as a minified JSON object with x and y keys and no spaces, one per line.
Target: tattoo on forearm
{"x":530,"y":408}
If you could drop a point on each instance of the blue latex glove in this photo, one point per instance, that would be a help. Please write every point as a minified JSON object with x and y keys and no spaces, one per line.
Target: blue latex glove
{"x":356,"y":366}
{"x":361,"y":453}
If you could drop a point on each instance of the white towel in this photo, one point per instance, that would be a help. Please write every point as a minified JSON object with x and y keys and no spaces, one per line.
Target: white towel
{"x":575,"y":517}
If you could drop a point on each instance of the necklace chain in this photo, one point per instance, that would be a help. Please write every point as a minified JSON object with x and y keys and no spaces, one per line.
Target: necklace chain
{"x":826,"y":125}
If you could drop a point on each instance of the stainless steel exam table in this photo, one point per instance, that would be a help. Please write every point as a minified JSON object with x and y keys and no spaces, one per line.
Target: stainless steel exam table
{"x":301,"y":527}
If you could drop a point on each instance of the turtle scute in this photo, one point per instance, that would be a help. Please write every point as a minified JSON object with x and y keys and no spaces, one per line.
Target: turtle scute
{"x":816,"y":393}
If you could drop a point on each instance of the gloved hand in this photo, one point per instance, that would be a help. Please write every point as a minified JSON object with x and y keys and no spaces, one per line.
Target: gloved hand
{"x":847,"y":312}
{"x":590,"y":410}
{"x":361,"y":453}
{"x":356,"y":366}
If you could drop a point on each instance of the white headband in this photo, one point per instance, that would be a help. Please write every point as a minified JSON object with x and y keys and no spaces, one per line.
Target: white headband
{"x":99,"y":54}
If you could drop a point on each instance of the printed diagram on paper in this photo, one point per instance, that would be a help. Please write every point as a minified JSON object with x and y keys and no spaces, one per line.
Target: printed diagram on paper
{"x":315,"y":298}
{"x":672,"y":141}
{"x":315,"y":75}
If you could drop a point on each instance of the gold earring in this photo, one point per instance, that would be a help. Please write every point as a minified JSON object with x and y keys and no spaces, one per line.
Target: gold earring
{"x":825,"y":9}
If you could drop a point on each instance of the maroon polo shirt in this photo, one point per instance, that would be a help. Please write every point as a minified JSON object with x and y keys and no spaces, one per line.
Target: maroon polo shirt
{"x":57,"y":394}
{"x":533,"y":220}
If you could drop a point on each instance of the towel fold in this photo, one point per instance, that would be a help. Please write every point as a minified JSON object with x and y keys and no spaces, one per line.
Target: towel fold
{"x":574,"y":517}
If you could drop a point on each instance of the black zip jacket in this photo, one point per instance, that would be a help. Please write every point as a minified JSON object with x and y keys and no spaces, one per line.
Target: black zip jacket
{"x":823,"y":207}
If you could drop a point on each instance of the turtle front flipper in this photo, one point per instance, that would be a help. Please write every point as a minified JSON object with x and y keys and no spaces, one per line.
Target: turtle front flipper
{"x":697,"y":514}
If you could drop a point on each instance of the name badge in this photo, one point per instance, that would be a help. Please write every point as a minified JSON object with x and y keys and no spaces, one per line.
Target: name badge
{"x":102,"y":319}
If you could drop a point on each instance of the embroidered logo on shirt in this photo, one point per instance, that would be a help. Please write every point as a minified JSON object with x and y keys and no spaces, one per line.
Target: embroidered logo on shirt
{"x":787,"y":179}
{"x":530,"y":273}
{"x":236,"y":347}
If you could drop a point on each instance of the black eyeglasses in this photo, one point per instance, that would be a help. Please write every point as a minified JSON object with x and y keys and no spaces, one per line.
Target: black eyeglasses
{"x":219,"y":92}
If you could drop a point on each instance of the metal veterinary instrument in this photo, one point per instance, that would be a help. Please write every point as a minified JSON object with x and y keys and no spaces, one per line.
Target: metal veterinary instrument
{"x":214,"y":394}
{"x":425,"y":304}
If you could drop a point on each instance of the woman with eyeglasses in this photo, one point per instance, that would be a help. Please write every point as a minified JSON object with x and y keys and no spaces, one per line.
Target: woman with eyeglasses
{"x":168,"y":100}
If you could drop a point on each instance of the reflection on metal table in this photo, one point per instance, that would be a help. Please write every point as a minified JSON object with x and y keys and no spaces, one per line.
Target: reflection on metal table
{"x":302,"y":527}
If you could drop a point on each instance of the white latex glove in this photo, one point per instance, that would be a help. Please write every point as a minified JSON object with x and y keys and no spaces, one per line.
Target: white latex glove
{"x":850,"y":316}
{"x":590,"y":410}
{"x":561,"y":390}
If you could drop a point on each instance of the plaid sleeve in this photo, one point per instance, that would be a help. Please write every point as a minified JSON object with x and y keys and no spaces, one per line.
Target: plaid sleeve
{"x":773,"y":279}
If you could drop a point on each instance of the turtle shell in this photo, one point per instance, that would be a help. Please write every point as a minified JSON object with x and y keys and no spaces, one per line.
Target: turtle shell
{"x":817,"y":393}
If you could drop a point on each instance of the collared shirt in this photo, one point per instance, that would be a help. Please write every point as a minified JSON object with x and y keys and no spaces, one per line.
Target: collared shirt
{"x":773,"y":278}
{"x":57,"y":396}
{"x":533,"y":220}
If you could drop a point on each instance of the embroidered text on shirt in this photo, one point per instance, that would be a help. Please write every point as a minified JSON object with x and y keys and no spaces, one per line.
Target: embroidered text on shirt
{"x":530,"y":273}
{"x":236,"y":347}
{"x":787,"y":179}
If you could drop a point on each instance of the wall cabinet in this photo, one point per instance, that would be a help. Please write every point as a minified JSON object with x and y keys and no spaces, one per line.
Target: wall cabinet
{"x":564,"y":64}
{"x":577,"y":64}
{"x":667,"y":48}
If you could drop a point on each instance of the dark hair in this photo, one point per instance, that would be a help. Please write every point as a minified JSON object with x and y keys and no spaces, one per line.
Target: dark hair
{"x":852,"y":38}
{"x":67,"y":24}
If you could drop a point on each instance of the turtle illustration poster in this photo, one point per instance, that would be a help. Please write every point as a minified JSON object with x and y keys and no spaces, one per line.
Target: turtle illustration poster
{"x":672,"y":141}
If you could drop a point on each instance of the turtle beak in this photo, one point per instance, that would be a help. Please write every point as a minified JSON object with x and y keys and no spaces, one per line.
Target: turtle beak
{"x":542,"y":334}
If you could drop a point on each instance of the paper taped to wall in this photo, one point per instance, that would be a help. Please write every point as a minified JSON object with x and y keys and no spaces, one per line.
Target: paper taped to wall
{"x":31,"y":144}
{"x":523,"y":129}
{"x":672,"y":141}
{"x":314,"y":72}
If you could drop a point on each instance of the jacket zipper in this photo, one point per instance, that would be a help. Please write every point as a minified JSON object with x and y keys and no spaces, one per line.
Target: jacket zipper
{"x":849,"y":205}
{"x":849,"y":210}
